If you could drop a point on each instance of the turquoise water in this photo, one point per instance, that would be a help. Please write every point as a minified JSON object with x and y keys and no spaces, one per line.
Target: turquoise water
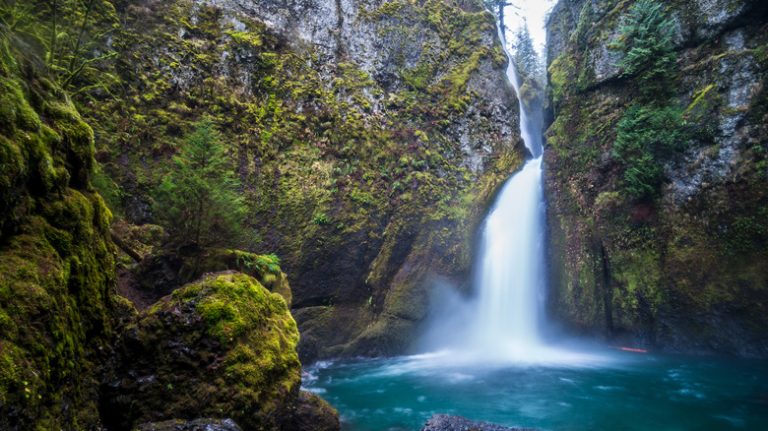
{"x":617,"y":391}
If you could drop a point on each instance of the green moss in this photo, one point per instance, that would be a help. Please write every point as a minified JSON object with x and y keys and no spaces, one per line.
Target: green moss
{"x":699,"y":97}
{"x":560,"y":71}
{"x":232,"y":305}
{"x":56,"y":263}
{"x":241,"y":341}
{"x":637,"y":293}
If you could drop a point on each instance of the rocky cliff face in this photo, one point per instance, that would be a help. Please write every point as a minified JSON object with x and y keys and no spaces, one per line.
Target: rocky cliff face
{"x":368,"y":135}
{"x":680,"y":264}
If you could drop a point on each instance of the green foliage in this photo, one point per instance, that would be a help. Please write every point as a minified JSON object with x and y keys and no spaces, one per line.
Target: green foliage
{"x":646,"y":136}
{"x":646,"y":37}
{"x":199,"y":201}
{"x":321,"y":218}
{"x":652,"y":131}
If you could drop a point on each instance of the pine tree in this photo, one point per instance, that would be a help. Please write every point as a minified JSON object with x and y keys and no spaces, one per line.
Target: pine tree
{"x":199,"y":201}
{"x":498,"y":7}
{"x":526,"y":58}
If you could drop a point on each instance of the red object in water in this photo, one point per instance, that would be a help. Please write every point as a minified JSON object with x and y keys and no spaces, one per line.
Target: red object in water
{"x":632,"y":349}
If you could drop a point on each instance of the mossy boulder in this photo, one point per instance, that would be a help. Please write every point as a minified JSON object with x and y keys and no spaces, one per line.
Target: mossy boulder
{"x":223,"y":346}
{"x":312,"y":413}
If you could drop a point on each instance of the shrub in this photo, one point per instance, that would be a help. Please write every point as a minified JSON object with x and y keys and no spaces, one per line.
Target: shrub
{"x":199,"y":201}
{"x":646,"y":136}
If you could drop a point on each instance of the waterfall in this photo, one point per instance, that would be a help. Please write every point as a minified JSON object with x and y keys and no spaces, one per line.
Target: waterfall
{"x":510,"y":268}
{"x":504,"y":321}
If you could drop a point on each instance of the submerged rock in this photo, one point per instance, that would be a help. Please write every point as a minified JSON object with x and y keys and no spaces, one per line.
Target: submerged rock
{"x":222,"y":346}
{"x":312,"y":413}
{"x":195,"y":425}
{"x":458,"y":423}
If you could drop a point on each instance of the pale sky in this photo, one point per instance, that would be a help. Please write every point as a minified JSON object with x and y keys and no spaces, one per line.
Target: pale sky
{"x":535,"y":13}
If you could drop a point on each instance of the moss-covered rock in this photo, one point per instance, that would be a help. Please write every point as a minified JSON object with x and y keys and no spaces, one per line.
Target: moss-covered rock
{"x":312,"y":413}
{"x":223,"y":346}
{"x":679,"y":265}
{"x":57,"y":305}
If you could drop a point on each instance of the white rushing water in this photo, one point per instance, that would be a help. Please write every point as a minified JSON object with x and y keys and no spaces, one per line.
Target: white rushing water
{"x":510,"y":268}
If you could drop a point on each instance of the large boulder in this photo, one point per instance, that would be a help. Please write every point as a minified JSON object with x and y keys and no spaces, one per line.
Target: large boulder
{"x":312,"y":413}
{"x":223,"y":346}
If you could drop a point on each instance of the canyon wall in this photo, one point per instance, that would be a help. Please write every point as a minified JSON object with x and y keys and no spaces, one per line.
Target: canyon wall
{"x":657,"y":176}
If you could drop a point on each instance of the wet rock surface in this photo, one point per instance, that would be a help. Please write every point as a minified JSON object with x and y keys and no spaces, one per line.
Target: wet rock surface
{"x":458,"y":423}
{"x":193,"y":425}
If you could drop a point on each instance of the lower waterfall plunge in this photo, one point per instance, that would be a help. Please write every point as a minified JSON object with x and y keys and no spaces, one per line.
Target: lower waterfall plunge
{"x":510,"y":273}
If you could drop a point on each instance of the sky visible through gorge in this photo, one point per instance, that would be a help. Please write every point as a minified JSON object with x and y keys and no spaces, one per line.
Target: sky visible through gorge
{"x":534,"y":12}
